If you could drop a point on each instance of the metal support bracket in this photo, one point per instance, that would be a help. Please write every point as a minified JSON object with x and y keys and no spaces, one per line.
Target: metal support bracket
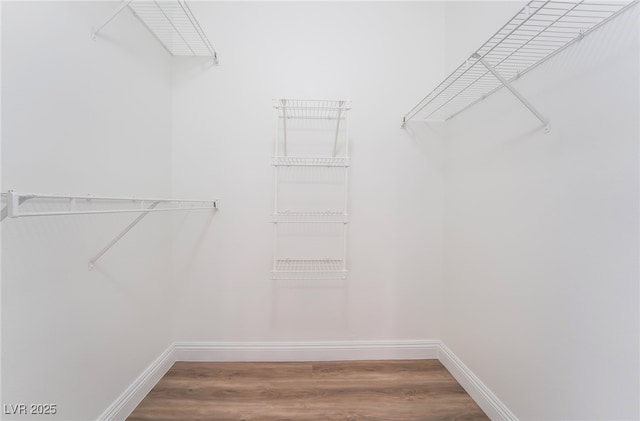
{"x":21,"y":200}
{"x":12,"y":199}
{"x":94,"y":259}
{"x":335,"y":142}
{"x":115,"y":13}
{"x":513,"y":90}
{"x":284,"y":125}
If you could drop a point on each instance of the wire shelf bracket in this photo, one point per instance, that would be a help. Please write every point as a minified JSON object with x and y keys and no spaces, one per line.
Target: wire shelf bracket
{"x":539,"y":31}
{"x":94,"y":259}
{"x":5,"y":209}
{"x":131,"y":205}
{"x":513,"y":90}
{"x":172,"y":23}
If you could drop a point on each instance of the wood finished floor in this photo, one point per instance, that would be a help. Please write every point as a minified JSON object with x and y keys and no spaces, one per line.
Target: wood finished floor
{"x":300,"y":391}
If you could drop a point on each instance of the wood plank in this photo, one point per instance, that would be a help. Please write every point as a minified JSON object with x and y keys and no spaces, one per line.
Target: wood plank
{"x":390,"y":390}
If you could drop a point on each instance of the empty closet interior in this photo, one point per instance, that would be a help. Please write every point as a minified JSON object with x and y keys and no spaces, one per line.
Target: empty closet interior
{"x":304,"y":181}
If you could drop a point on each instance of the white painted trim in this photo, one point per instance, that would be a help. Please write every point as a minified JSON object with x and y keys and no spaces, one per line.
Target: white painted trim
{"x":130,"y":398}
{"x":490,"y":404}
{"x":306,"y":351}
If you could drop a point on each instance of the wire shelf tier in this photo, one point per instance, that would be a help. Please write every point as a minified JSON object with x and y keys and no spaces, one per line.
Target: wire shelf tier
{"x":309,"y":269}
{"x":293,"y":161}
{"x":175,"y":26}
{"x":328,"y":217}
{"x":536,"y":33}
{"x":312,"y":109}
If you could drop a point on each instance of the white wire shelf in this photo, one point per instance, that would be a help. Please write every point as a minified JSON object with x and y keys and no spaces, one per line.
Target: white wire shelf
{"x":328,"y":217}
{"x":172,"y":23}
{"x":86,"y":205}
{"x":89,"y":205}
{"x":311,"y":161}
{"x":309,"y":269}
{"x":539,"y":31}
{"x":312,"y":109}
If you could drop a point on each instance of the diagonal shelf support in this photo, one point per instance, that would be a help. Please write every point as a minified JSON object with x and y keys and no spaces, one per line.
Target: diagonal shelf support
{"x":335,"y":142}
{"x":284,"y":125}
{"x":120,"y":8}
{"x":514,"y":91}
{"x":94,"y":259}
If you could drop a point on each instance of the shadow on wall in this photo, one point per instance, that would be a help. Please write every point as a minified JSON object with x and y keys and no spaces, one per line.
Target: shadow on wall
{"x":188,"y":68}
{"x":430,"y":137}
{"x":202,"y":229}
{"x":597,"y":51}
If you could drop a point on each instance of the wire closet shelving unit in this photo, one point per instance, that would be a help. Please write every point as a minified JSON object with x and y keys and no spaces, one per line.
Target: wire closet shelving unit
{"x":172,"y":23}
{"x":296,"y":116}
{"x":59,"y":205}
{"x":539,"y":31}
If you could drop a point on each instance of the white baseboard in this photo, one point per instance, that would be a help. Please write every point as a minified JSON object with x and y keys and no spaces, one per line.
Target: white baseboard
{"x":130,"y":398}
{"x":306,"y":351}
{"x":490,"y":404}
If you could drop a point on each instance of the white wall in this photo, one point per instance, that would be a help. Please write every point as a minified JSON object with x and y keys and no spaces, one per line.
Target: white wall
{"x":541,"y":276}
{"x":82,"y":117}
{"x":534,"y":235}
{"x":380,"y":56}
